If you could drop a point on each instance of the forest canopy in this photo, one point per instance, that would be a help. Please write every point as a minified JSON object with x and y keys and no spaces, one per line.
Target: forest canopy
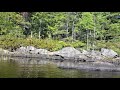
{"x":90,"y":30}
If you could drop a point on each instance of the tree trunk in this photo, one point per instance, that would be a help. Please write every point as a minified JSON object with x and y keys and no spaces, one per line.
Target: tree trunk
{"x":26,"y":16}
{"x":90,"y":39}
{"x":80,"y":37}
{"x":67,"y":28}
{"x":73,"y":30}
{"x":39,"y":34}
{"x":40,"y":30}
{"x":94,"y":33}
{"x":87,"y":40}
{"x":75,"y":35}
{"x":31,"y":34}
{"x":73,"y":27}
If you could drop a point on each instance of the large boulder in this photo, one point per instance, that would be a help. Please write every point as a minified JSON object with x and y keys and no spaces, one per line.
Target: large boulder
{"x":80,"y":57}
{"x":92,"y":52}
{"x":90,"y":55}
{"x":26,"y":50}
{"x":95,"y":53}
{"x":88,"y":58}
{"x":30,"y":48}
{"x":67,"y":52}
{"x":31,"y":51}
{"x":40,"y":51}
{"x":21,"y":50}
{"x":85,"y":52}
{"x":108,"y":53}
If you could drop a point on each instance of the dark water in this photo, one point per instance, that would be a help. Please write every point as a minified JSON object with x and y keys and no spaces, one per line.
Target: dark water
{"x":29,"y":68}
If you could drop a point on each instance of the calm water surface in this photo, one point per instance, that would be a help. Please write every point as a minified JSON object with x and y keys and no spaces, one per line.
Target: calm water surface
{"x":29,"y":68}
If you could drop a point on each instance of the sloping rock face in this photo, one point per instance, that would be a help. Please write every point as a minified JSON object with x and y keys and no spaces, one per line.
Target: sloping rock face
{"x":27,"y":49}
{"x":67,"y":52}
{"x":85,"y":52}
{"x":32,"y":50}
{"x":108,"y":53}
{"x":40,"y":51}
{"x":22,"y":50}
{"x":94,"y":55}
{"x":89,"y":56}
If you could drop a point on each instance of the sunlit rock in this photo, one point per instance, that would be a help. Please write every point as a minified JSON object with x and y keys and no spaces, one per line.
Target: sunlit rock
{"x":67,"y":52}
{"x":21,"y":49}
{"x":108,"y":52}
{"x":40,"y":51}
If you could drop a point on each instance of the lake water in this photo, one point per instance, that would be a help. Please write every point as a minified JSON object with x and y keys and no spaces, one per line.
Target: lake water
{"x":33,"y":68}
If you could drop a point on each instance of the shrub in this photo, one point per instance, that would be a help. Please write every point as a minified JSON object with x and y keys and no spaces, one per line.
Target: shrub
{"x":49,"y":44}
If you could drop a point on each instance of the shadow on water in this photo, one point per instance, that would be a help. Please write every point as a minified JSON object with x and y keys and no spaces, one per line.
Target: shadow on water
{"x":10,"y":68}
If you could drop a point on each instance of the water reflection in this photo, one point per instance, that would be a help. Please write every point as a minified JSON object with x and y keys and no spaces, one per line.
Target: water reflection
{"x":35,"y":68}
{"x":8,"y":69}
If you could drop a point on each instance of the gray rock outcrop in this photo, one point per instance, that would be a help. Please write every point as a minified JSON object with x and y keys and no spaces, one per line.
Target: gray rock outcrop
{"x":94,"y":60}
{"x":40,"y":51}
{"x":67,"y":52}
{"x":108,"y":53}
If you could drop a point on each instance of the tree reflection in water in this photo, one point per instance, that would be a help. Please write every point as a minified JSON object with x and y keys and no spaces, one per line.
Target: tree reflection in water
{"x":20,"y":68}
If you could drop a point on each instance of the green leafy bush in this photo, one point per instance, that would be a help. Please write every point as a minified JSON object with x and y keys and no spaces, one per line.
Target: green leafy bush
{"x":49,"y":44}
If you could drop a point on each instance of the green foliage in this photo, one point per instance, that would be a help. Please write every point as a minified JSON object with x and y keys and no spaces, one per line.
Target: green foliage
{"x":60,"y":29}
{"x":11,"y":24}
{"x":10,"y":43}
{"x":78,"y":44}
{"x":87,"y":21}
{"x":49,"y":44}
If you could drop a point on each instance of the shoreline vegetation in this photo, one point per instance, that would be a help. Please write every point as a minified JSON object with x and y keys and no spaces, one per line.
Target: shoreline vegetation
{"x":12,"y":43}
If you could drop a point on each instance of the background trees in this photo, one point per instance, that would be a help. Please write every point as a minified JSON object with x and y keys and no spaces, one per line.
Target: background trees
{"x":87,"y":27}
{"x":12,"y":23}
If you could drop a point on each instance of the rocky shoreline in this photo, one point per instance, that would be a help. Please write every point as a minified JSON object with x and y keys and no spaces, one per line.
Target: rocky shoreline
{"x":69,"y":57}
